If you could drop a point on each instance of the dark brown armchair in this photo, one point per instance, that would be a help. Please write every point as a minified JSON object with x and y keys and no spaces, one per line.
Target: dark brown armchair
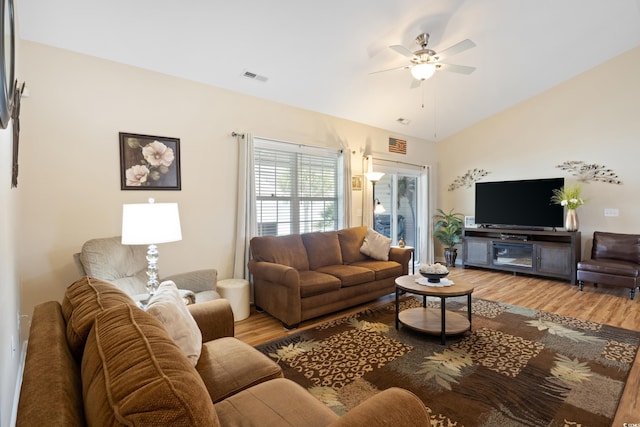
{"x":615,"y":261}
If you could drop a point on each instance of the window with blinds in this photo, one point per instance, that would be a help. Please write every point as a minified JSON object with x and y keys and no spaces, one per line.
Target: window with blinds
{"x":296,"y":191}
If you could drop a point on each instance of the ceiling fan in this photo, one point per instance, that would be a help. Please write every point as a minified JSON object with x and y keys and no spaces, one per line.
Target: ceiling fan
{"x":425,"y":62}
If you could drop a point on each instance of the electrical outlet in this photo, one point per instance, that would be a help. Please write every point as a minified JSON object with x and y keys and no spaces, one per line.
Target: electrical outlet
{"x":611,"y":212}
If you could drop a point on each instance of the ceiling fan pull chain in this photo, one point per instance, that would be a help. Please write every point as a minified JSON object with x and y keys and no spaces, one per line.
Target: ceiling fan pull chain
{"x":435,"y":134}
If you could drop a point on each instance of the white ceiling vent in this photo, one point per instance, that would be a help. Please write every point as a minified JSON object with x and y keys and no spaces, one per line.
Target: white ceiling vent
{"x":253,"y":76}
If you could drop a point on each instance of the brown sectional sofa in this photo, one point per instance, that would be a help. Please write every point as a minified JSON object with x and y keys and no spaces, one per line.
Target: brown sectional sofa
{"x":302,"y":276}
{"x":99,"y":360}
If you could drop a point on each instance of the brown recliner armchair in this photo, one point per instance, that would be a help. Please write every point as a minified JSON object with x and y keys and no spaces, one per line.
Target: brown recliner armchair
{"x":615,"y":261}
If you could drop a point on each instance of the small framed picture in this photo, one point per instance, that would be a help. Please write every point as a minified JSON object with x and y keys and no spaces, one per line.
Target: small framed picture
{"x":149,"y":162}
{"x":470,"y":222}
{"x":356,"y":183}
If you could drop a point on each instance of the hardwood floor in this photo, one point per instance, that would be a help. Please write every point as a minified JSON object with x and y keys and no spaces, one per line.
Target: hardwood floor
{"x":602,"y":304}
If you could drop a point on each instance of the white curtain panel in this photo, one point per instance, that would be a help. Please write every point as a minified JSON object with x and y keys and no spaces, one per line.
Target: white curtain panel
{"x":425,"y":229}
{"x":246,"y":224}
{"x":347,"y":199}
{"x":367,"y":193}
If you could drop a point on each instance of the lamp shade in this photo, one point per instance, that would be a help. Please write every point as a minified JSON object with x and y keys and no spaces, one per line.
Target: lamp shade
{"x":150,"y":223}
{"x":374,"y":176}
{"x":423,"y":71}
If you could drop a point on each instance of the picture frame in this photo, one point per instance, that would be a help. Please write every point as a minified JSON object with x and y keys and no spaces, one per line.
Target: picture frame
{"x":7,"y":61}
{"x":470,"y":222}
{"x":149,"y":162}
{"x":356,"y":183}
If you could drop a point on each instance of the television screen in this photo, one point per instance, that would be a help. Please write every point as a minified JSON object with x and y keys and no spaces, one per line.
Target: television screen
{"x":524,"y":203}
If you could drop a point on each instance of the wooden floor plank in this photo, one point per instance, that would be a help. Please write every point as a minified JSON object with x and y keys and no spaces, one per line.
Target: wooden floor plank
{"x":603,"y":304}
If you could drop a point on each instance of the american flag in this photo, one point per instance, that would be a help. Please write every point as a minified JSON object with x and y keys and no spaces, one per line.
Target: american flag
{"x":397,"y":146}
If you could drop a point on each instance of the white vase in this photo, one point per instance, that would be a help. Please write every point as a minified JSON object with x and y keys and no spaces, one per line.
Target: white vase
{"x":571,"y":221}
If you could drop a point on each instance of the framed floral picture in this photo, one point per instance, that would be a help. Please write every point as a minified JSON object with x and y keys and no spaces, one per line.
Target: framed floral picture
{"x":149,"y":162}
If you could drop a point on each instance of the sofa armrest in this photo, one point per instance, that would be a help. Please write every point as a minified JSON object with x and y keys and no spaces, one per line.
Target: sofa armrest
{"x":402,"y":257}
{"x":391,"y":407}
{"x":214,"y":318}
{"x":51,"y":392}
{"x":196,"y":281}
{"x":276,"y":273}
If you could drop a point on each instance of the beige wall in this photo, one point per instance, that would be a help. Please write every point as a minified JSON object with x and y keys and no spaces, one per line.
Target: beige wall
{"x":70,"y":159}
{"x":594,"y":117}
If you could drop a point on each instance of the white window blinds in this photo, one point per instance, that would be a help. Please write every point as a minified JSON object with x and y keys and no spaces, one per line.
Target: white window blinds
{"x":296,"y":188}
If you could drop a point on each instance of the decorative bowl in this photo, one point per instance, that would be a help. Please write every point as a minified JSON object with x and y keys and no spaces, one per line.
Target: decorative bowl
{"x":434,"y":277}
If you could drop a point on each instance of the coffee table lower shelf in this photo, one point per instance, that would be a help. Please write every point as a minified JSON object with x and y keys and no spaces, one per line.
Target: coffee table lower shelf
{"x":429,"y":320}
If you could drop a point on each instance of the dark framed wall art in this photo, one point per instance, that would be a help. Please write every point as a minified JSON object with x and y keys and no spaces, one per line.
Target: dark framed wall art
{"x":7,"y":61}
{"x":149,"y":162}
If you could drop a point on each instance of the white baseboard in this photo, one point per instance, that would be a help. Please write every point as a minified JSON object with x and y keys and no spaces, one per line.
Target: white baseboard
{"x":16,"y":395}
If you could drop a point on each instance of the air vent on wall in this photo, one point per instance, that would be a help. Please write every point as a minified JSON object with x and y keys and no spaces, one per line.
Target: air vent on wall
{"x":254,"y":76}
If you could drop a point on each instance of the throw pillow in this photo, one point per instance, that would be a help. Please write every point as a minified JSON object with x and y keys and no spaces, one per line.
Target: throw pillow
{"x":376,"y":245}
{"x":170,"y":309}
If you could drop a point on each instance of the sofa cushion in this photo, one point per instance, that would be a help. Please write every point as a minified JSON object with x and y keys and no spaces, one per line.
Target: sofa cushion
{"x":285,"y":250}
{"x":134,"y":374}
{"x":278,"y":402}
{"x":314,"y":283}
{"x":228,"y":366}
{"x":349,"y":275}
{"x":323,"y":248}
{"x":621,"y":247}
{"x":351,"y":240}
{"x":82,"y":300}
{"x":610,"y":266}
{"x":376,"y":246}
{"x":382,"y":269}
{"x":170,"y":309}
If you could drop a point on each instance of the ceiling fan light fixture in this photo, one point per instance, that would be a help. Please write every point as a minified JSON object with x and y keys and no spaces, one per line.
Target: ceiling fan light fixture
{"x":423,"y":71}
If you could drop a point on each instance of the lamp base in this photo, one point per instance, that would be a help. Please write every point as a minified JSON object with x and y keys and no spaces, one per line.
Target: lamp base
{"x":152,"y":270}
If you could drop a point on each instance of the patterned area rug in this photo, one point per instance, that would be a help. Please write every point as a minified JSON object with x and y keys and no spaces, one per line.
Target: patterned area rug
{"x":519,"y":367}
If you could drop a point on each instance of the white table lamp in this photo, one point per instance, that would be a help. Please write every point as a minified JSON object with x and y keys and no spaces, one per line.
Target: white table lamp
{"x":149,"y":224}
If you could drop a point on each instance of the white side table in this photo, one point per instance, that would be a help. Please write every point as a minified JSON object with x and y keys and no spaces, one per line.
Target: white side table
{"x":236,"y":291}
{"x":411,"y":260}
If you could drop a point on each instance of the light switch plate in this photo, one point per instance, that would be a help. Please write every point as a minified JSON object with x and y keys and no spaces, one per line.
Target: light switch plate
{"x":611,"y":212}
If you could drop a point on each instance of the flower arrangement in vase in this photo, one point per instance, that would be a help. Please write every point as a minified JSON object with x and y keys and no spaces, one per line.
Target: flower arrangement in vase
{"x":571,"y":199}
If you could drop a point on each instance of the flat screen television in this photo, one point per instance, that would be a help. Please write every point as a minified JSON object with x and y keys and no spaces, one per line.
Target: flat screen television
{"x":519,"y":204}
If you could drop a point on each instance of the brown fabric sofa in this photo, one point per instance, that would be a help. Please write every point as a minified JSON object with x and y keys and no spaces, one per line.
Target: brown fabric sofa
{"x":302,"y":276}
{"x":615,"y":261}
{"x":99,"y":360}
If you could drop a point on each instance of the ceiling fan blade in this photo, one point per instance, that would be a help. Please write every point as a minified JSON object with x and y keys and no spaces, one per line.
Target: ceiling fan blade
{"x":461,"y":69}
{"x":402,"y":51}
{"x":455,"y":49}
{"x":404,"y":67}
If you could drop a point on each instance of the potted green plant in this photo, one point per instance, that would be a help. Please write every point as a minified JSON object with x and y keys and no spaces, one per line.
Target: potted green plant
{"x":448,"y":230}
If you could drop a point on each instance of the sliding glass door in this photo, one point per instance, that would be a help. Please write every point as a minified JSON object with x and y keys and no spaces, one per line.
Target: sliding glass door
{"x":399,"y":192}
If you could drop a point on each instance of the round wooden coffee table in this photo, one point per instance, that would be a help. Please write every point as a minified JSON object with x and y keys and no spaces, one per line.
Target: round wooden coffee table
{"x":429,"y":320}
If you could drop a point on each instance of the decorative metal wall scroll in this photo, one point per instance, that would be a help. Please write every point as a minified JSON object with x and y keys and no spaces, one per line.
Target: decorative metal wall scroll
{"x":590,"y":172}
{"x":468,"y":179}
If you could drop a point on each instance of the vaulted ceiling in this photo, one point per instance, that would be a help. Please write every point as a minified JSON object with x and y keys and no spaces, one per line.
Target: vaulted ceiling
{"x":318,"y":55}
